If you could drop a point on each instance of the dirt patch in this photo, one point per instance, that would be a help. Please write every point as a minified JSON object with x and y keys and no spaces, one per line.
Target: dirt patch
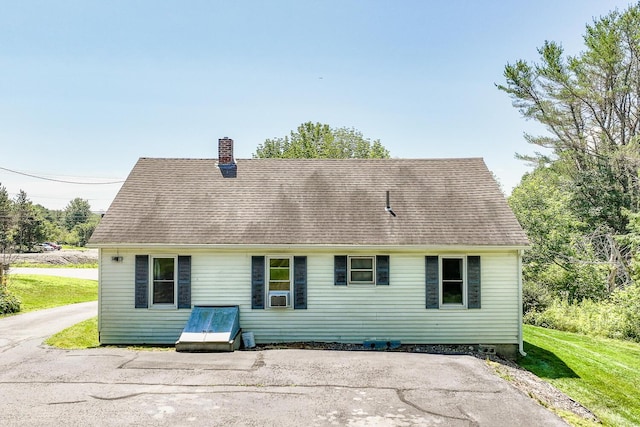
{"x":62,"y":257}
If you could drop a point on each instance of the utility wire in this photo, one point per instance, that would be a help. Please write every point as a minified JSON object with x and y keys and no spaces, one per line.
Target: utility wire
{"x":60,"y":180}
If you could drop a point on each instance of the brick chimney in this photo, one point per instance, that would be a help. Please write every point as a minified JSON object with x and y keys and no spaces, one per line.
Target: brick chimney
{"x":225,"y":151}
{"x":226,"y":163}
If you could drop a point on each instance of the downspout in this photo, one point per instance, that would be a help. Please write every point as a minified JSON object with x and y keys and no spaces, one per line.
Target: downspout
{"x":520,"y":337}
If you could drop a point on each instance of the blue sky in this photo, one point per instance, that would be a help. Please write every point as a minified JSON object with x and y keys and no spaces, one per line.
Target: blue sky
{"x":88,"y":87}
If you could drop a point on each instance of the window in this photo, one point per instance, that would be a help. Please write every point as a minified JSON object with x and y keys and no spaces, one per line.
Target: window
{"x":279,"y":281}
{"x":453,"y":281}
{"x":362,"y":270}
{"x":163,"y":285}
{"x":279,"y":274}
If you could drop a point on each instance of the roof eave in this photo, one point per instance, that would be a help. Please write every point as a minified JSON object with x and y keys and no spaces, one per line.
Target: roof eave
{"x":289,"y":247}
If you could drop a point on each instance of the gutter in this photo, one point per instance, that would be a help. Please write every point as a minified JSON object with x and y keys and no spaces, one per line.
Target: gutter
{"x":306,"y":246}
{"x":520,"y":335}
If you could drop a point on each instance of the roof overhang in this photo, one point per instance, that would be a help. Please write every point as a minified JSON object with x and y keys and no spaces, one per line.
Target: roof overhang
{"x":312,"y":247}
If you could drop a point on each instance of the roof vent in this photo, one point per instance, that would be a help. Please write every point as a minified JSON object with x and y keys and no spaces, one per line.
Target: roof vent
{"x":388,"y":207}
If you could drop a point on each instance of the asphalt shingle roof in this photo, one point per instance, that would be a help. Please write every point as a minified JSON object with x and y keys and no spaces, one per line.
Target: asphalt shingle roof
{"x":323,"y":202}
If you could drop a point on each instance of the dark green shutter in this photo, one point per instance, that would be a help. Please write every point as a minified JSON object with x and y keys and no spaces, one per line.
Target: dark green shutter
{"x":432,"y":282}
{"x":473,"y":282}
{"x":257,"y":282}
{"x":142,"y":281}
{"x":340,"y":270}
{"x":184,"y":282}
{"x":382,"y":270}
{"x":300,"y":282}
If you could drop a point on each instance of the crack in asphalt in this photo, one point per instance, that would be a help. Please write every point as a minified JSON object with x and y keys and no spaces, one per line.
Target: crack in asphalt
{"x":67,"y":403}
{"x":260,"y":389}
{"x":403,"y":399}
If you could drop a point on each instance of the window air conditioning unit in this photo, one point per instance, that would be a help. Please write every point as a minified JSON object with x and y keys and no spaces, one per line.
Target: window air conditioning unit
{"x":279,"y":299}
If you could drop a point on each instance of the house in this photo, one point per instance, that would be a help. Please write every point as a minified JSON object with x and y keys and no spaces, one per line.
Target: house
{"x":410,"y":250}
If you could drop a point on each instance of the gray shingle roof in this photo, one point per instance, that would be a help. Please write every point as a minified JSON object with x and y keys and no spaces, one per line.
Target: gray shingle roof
{"x":323,"y":202}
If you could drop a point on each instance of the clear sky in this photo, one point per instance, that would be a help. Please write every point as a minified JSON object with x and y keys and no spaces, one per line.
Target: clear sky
{"x":88,"y":87}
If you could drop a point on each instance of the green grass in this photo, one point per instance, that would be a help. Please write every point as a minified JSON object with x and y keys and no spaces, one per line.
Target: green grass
{"x":84,"y":335}
{"x":602,"y":374}
{"x":80,"y":336}
{"x":39,"y":292}
{"x":37,"y":265}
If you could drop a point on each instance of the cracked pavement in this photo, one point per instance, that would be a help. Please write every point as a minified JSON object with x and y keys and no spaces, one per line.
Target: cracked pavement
{"x":115,"y":386}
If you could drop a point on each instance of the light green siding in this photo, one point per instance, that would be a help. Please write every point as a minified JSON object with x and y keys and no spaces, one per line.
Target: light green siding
{"x":335,"y":313}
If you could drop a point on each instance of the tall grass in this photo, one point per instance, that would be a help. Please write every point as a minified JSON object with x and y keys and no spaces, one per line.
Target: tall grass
{"x":617,"y":317}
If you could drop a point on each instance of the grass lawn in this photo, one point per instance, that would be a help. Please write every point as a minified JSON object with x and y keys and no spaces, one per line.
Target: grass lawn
{"x":39,"y":265}
{"x":602,"y":374}
{"x":39,"y":292}
{"x":80,"y":336}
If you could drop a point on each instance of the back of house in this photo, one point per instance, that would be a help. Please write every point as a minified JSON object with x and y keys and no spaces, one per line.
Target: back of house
{"x":410,"y":250}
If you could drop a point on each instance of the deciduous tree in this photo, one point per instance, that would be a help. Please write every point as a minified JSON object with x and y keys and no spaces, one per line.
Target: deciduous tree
{"x":78,"y":211}
{"x":317,"y":140}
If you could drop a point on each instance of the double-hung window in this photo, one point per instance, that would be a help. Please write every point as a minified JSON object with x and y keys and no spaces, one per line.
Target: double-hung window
{"x":453,"y":283}
{"x":163,"y":287}
{"x":279,"y":281}
{"x":362,"y":270}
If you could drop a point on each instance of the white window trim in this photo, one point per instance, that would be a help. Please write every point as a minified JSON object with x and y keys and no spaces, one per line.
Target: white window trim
{"x":175,"y":283}
{"x":373,"y":266}
{"x":268,"y":279}
{"x":464,"y":282}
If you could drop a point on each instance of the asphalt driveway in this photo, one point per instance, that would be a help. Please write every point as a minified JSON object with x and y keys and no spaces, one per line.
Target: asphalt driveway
{"x":115,"y":386}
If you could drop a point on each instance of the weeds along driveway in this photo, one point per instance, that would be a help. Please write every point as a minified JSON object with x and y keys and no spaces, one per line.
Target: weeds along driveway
{"x":117,"y":386}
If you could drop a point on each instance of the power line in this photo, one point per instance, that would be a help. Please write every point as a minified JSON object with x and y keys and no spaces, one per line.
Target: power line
{"x":59,"y":180}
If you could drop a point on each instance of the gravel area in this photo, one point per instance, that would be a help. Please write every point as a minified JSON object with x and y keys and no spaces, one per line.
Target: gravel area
{"x":61,"y":257}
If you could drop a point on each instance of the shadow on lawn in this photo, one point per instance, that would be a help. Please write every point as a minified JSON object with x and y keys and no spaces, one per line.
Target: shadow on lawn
{"x":544,"y":363}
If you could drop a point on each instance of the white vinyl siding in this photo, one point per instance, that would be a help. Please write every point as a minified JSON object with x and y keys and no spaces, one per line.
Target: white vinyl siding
{"x":334,"y":313}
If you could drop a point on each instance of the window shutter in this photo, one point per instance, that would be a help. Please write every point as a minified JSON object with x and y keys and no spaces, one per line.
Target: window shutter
{"x":340,"y":270}
{"x":142,"y":281}
{"x":382,"y":270}
{"x":432,"y":281}
{"x":257,"y":282}
{"x":473,"y":282}
{"x":184,"y":282}
{"x":300,"y":282}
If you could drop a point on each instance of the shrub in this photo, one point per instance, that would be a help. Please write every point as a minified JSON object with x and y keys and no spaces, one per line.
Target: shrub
{"x":534,"y":297}
{"x":617,"y":317}
{"x":9,"y":303}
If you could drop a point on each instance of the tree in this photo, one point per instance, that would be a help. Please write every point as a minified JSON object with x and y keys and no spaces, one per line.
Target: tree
{"x":311,"y":141}
{"x":6,"y":219}
{"x":28,"y":224}
{"x":590,"y":104}
{"x":78,"y":211}
{"x":560,"y":261}
{"x":82,"y":232}
{"x":6,"y":243}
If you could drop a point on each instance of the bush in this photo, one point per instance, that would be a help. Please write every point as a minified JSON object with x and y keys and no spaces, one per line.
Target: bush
{"x":9,"y":303}
{"x":617,"y":317}
{"x":534,"y":297}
